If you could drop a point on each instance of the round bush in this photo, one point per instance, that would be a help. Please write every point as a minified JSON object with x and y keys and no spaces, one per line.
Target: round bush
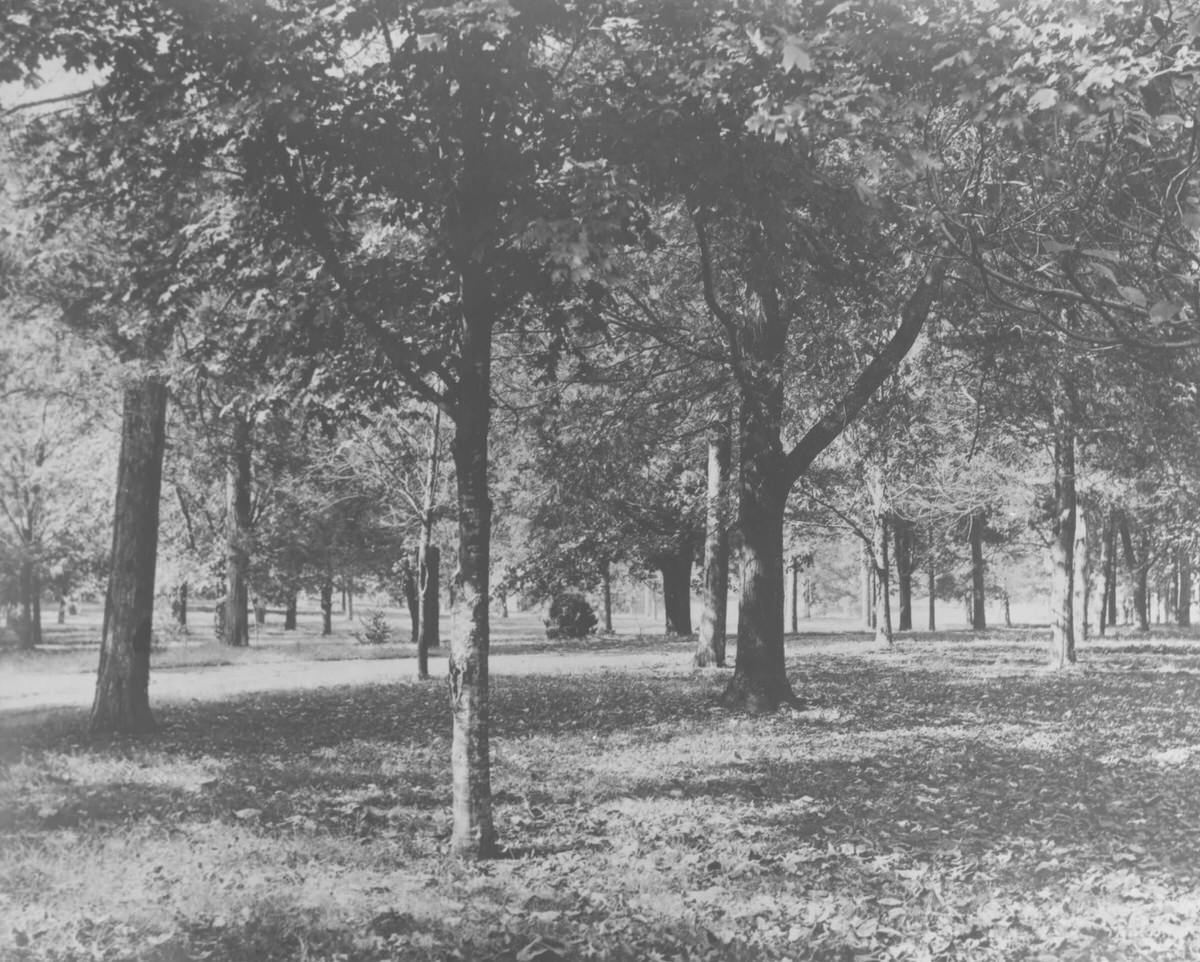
{"x":570,"y":616}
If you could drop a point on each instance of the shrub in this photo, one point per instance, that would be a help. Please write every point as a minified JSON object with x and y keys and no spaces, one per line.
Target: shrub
{"x":570,"y":616}
{"x":375,"y":629}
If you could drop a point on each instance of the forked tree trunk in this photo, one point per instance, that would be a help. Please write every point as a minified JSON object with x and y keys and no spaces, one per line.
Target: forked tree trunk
{"x":1184,"y":613}
{"x":676,"y":572}
{"x":1139,"y":568}
{"x":1080,"y":581}
{"x":1062,"y":629}
{"x":431,"y":593}
{"x":473,"y":834}
{"x":122,"y":702}
{"x":978,"y":610}
{"x":905,"y":545}
{"x":237,"y":548}
{"x":710,"y":643}
{"x":327,"y":608}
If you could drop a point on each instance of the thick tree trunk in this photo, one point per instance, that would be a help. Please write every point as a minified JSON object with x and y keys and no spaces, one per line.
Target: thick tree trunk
{"x":710,"y":643}
{"x":289,"y":611}
{"x":1184,"y":611}
{"x":1139,"y":568}
{"x":122,"y":701}
{"x":1062,"y":629}
{"x":904,"y":551}
{"x":677,"y":591}
{"x":883,"y":587}
{"x":1080,"y":581}
{"x":473,"y":834}
{"x":431,"y":612}
{"x":327,"y":608}
{"x":181,"y":604}
{"x":975,"y":527}
{"x":237,"y":549}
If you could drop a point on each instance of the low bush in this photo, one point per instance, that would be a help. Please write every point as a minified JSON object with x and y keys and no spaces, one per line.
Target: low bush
{"x":571,"y":616}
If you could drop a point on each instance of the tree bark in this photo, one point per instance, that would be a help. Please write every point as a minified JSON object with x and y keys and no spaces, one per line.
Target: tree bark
{"x":473,"y":834}
{"x":606,"y":585}
{"x":1108,"y":564}
{"x":931,"y":580}
{"x":181,"y":604}
{"x":676,"y":572}
{"x":289,"y":612}
{"x":904,"y":553}
{"x":122,"y":701}
{"x":237,"y":549}
{"x":1062,"y":629}
{"x":883,"y":593}
{"x":431,"y":594}
{"x":349,"y":595}
{"x":327,"y":608}
{"x":710,"y":643}
{"x":1080,"y":580}
{"x":866,"y":590}
{"x":411,"y":588}
{"x":1184,"y":611}
{"x":30,"y":633}
{"x":794,"y":566}
{"x":978,"y":596}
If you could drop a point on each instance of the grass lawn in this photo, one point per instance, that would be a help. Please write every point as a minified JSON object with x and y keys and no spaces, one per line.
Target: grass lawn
{"x":949,"y":799}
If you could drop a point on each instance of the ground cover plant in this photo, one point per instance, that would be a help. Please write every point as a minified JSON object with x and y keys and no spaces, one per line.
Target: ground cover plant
{"x":948,"y":799}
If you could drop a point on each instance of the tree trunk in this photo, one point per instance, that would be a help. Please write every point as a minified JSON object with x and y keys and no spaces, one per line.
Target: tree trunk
{"x":237,"y":550}
{"x":349,"y":592}
{"x":122,"y":700}
{"x":62,"y":608}
{"x":866,"y":590}
{"x":1108,"y":564}
{"x":975,"y":526}
{"x":473,"y":834}
{"x":289,"y":611}
{"x":431,"y":594}
{"x":1062,"y":629}
{"x":1140,"y":569}
{"x":883,"y":586}
{"x":710,"y":643}
{"x":327,"y":608}
{"x":795,"y":569}
{"x":606,"y":584}
{"x":905,"y":550}
{"x":181,"y":604}
{"x":1007,"y":608}
{"x":677,"y":591}
{"x":31,"y":622}
{"x":1184,"y":614}
{"x":1080,"y":581}
{"x":411,"y":588}
{"x":931,"y":582}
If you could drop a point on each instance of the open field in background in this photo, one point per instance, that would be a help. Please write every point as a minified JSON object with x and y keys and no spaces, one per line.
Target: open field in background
{"x":949,"y":799}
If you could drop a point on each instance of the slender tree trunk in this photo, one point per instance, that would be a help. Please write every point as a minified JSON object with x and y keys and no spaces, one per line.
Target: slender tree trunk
{"x":975,"y":528}
{"x":1108,"y":564}
{"x":677,"y":591}
{"x":866,"y":590}
{"x":905,"y":550}
{"x":795,"y":569}
{"x":31,"y":622}
{"x":122,"y":701}
{"x":289,"y":611}
{"x":1139,"y":568}
{"x":1007,"y":609}
{"x":62,"y":608}
{"x":606,"y":584}
{"x":473,"y":834}
{"x":1080,"y":580}
{"x":237,"y":550}
{"x":327,"y":608}
{"x":931,"y":581}
{"x":181,"y":604}
{"x":1184,"y":561}
{"x":883,"y":588}
{"x":1062,"y":629}
{"x":710,"y":643}
{"x":431,"y":594}
{"x":410,"y":575}
{"x":349,"y":591}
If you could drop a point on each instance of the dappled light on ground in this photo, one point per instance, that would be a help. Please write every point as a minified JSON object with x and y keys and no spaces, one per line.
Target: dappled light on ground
{"x":939,"y":800}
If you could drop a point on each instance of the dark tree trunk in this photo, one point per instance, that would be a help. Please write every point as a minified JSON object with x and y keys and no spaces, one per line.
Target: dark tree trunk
{"x":978,"y":596}
{"x":866,"y":589}
{"x":289,"y":612}
{"x":327,"y":608}
{"x":606,"y":585}
{"x":1184,"y":612}
{"x":30,"y":632}
{"x":349,"y":596}
{"x":931,"y":581}
{"x":473,"y":834}
{"x":1139,"y":568}
{"x":1007,"y":609}
{"x":795,"y":569}
{"x":237,"y":557}
{"x":62,"y":608}
{"x":411,"y":587}
{"x":431,"y":593}
{"x":1108,"y":563}
{"x":710,"y":643}
{"x":181,"y":604}
{"x":122,"y":700}
{"x":1080,"y":581}
{"x":677,"y":591}
{"x":1062,"y":628}
{"x":904,"y":552}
